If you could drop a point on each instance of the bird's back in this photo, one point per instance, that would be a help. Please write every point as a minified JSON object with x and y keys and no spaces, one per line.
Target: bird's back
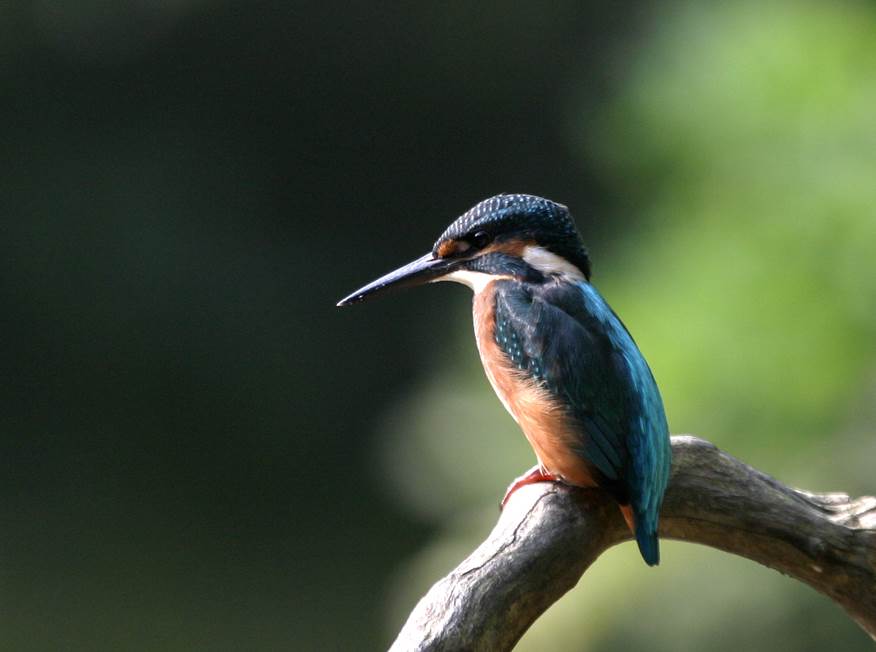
{"x":572,"y":376}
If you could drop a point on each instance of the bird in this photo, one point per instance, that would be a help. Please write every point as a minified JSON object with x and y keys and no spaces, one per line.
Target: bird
{"x":558,"y":357}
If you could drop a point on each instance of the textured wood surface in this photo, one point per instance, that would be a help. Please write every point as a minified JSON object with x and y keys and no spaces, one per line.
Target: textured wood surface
{"x":549,"y":534}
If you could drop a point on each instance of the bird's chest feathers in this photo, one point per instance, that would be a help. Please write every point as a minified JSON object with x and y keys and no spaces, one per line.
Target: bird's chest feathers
{"x":540,"y":416}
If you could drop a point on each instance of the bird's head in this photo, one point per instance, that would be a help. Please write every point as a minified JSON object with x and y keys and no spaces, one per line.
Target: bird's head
{"x":506,"y":236}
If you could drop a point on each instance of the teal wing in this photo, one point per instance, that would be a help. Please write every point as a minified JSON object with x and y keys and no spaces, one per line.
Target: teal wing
{"x":568,"y":338}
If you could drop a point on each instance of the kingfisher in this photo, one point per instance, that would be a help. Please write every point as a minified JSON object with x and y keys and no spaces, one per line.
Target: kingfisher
{"x":558,"y":357}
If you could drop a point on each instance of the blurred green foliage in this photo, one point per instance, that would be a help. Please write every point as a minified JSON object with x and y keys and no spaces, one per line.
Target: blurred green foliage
{"x":751,"y":127}
{"x":742,"y":137}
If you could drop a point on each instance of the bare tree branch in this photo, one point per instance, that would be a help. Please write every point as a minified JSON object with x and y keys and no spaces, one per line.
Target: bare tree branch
{"x":549,"y":535}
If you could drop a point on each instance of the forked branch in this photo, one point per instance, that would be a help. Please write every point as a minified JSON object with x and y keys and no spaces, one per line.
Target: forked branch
{"x":548,"y":535}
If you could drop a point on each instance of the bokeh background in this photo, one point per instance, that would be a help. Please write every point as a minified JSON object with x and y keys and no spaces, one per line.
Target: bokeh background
{"x":199,"y":452}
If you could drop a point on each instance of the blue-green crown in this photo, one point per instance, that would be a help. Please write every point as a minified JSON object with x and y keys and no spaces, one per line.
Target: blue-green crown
{"x":523,"y":217}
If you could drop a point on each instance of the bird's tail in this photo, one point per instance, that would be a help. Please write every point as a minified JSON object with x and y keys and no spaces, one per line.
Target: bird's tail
{"x":649,"y":546}
{"x":645,"y":532}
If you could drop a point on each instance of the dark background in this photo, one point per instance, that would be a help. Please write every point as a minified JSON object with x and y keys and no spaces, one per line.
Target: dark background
{"x":188,"y":424}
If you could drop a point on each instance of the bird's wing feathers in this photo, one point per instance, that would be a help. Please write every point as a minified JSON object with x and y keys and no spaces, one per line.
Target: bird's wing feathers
{"x":571,"y":341}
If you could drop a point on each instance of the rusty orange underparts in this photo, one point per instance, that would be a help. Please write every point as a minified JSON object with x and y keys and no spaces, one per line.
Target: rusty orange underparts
{"x":543,"y":421}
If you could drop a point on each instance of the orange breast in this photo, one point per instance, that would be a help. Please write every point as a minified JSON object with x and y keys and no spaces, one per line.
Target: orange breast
{"x":542,"y":419}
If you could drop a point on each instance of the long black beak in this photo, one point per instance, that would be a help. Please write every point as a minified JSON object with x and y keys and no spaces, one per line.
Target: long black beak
{"x":422,"y":270}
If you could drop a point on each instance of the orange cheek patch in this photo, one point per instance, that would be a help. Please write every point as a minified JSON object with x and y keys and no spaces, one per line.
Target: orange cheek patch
{"x":510,"y":247}
{"x":451,"y":247}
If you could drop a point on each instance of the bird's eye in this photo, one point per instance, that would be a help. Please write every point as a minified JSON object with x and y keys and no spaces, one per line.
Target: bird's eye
{"x":481,"y":239}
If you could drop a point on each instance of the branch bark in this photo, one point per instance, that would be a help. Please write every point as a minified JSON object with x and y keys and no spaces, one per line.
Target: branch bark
{"x":549,"y":534}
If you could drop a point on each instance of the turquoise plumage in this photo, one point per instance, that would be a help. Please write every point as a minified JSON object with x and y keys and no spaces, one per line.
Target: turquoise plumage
{"x":565,"y":336}
{"x":559,"y":358}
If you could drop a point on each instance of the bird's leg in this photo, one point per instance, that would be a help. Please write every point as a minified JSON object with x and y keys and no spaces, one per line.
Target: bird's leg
{"x":535,"y":474}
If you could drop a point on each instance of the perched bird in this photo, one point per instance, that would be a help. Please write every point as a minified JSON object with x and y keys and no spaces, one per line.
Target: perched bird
{"x":556,"y":354}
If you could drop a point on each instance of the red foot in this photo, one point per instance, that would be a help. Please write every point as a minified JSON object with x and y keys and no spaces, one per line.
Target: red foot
{"x":535,"y":474}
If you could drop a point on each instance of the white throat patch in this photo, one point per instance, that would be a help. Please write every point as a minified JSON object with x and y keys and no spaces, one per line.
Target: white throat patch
{"x":477,"y":281}
{"x":549,"y":263}
{"x":540,"y":258}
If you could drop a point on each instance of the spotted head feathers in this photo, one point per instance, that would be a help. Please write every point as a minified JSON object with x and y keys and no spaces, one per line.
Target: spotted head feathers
{"x":516,"y":218}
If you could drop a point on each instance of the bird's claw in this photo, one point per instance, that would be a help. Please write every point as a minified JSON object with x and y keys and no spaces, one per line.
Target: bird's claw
{"x":535,"y":474}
